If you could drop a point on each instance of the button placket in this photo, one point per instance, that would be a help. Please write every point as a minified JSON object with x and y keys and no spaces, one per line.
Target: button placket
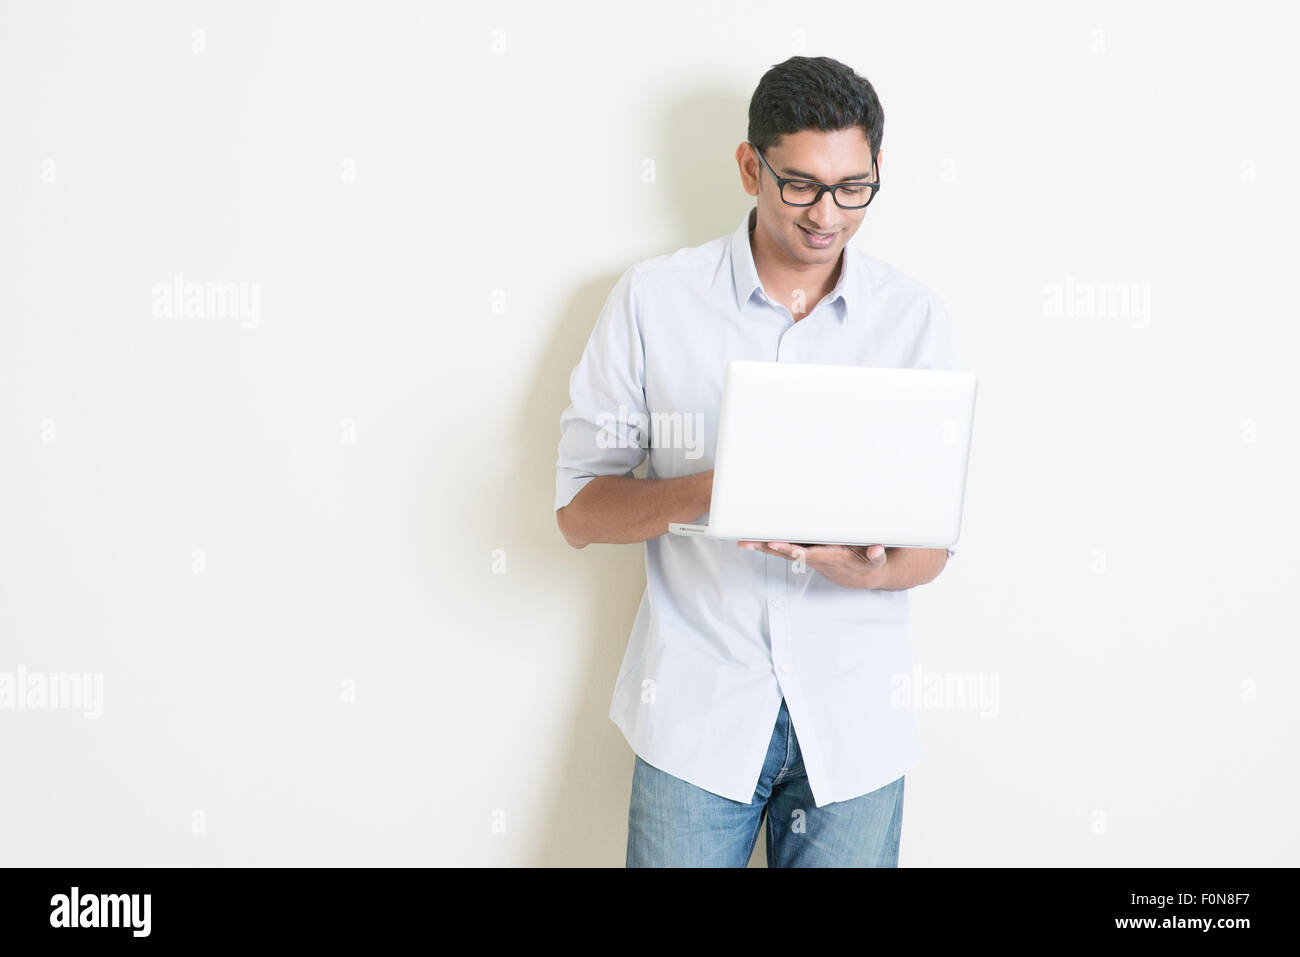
{"x":777,"y":614}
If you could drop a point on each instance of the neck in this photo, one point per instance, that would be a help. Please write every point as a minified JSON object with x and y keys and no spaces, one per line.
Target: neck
{"x":782,"y":278}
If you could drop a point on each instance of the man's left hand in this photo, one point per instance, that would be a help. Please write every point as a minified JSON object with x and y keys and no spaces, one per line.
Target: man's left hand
{"x":853,"y":566}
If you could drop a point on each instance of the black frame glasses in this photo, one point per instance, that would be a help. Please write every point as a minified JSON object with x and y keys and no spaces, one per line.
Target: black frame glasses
{"x":874,"y":186}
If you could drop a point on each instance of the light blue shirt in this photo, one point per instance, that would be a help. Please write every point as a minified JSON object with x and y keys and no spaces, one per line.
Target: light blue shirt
{"x":722,"y":633}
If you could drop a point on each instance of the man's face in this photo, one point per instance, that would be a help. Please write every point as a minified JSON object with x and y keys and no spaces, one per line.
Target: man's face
{"x":828,"y":158}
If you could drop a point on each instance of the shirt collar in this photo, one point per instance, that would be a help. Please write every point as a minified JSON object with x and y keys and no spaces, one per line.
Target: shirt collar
{"x":745,"y":274}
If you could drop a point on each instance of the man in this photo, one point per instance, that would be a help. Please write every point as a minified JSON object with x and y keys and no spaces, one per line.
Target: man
{"x":737,"y":645}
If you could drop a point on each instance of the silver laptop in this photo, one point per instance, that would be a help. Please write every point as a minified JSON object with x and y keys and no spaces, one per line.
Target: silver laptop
{"x":848,"y":455}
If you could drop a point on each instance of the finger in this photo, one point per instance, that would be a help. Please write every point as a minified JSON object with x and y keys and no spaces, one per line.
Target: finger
{"x":781,"y":549}
{"x":825,"y":556}
{"x":810,"y":553}
{"x":829,"y":552}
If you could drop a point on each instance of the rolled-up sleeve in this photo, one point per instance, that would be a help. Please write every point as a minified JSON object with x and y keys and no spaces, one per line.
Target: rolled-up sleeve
{"x":604,"y":429}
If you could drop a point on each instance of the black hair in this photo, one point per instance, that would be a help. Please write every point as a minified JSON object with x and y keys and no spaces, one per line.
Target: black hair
{"x":813,"y":93}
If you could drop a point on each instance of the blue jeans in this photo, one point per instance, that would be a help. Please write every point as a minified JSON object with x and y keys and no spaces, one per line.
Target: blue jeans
{"x":672,"y":823}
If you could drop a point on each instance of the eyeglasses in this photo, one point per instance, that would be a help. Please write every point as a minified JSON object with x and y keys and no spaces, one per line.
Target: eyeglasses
{"x":806,"y":192}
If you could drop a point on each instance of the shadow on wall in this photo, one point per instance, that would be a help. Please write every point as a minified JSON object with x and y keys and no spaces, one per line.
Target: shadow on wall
{"x":696,"y":180}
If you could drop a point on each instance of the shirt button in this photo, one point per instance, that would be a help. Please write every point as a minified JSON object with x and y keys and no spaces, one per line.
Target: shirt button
{"x":785,"y":667}
{"x":776,"y":603}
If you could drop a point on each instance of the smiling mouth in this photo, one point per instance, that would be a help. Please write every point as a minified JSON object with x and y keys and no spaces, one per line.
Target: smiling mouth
{"x":816,"y":235}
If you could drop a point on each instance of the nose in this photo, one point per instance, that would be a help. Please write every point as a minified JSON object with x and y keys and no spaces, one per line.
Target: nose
{"x":822,"y":212}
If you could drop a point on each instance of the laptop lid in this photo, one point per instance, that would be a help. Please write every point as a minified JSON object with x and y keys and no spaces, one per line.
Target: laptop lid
{"x":818,"y":453}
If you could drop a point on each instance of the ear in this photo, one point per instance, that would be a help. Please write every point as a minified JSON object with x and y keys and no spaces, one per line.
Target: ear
{"x":747,"y":179}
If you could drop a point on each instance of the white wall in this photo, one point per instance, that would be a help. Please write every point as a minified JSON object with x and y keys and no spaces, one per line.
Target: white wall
{"x":338,"y":676}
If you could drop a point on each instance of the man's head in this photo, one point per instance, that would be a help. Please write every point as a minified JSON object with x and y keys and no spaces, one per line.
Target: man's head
{"x":811,"y":118}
